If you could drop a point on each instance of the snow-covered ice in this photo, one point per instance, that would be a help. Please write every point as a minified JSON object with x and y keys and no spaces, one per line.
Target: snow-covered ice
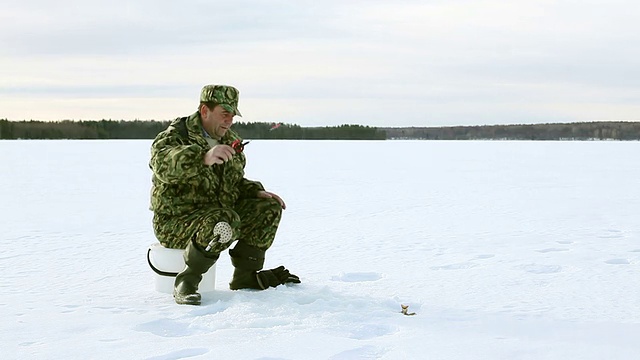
{"x":504,"y":250}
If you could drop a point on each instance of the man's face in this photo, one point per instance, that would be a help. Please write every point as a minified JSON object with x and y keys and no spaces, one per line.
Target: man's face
{"x":216,"y":121}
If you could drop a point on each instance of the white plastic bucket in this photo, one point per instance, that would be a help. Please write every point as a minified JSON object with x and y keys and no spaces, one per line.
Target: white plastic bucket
{"x":172,"y":261}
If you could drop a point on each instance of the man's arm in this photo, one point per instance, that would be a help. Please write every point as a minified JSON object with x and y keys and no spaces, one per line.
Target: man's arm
{"x":249,"y":189}
{"x":172,"y":161}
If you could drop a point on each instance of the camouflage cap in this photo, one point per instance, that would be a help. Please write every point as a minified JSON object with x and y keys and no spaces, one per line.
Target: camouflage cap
{"x":223,"y":95}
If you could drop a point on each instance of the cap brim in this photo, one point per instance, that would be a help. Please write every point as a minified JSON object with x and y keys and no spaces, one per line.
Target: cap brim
{"x":230,"y":108}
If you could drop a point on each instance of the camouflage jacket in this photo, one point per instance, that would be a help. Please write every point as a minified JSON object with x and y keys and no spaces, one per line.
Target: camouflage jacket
{"x":182,"y":182}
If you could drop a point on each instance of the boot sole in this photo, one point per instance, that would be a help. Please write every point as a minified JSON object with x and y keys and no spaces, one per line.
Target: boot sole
{"x":188,"y":302}
{"x":190,"y":299}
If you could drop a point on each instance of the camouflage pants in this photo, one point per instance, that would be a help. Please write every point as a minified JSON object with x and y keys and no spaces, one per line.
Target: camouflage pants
{"x":254,"y":221}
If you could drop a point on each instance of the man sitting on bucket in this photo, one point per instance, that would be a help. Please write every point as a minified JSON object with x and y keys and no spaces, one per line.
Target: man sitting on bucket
{"x":202,"y":201}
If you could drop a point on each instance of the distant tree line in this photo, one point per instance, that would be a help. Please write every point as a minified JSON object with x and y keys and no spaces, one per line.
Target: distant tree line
{"x":288,"y":131}
{"x":602,"y":130}
{"x":114,"y":129}
{"x":120,"y":129}
{"x":67,"y":129}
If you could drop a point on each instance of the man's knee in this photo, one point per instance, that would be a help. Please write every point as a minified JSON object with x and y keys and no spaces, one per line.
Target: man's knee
{"x":271,"y":206}
{"x":207,"y":230}
{"x":176,"y":232}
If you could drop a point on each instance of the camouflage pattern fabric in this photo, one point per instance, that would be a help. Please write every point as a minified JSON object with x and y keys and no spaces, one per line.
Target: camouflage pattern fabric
{"x":254,"y":222}
{"x":224,"y":95}
{"x":188,"y":197}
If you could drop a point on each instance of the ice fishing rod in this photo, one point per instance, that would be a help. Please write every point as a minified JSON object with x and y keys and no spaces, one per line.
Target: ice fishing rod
{"x":238,"y":145}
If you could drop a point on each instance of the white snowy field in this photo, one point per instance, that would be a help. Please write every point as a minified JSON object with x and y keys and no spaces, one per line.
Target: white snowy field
{"x":504,"y":250}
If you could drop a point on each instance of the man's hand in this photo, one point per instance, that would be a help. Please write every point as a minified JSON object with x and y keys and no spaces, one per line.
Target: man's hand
{"x":218,"y":154}
{"x":269,"y":195}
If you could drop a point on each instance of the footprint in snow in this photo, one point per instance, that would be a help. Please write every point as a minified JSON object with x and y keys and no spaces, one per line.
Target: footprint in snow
{"x":541,"y":269}
{"x":618,"y":262}
{"x":457,"y":266}
{"x":70,"y":308}
{"x":357,"y":277}
{"x":111,"y":339}
{"x":181,"y":354}
{"x":551,"y":250}
{"x":363,"y":352}
{"x":165,"y":328}
{"x":611,"y":234}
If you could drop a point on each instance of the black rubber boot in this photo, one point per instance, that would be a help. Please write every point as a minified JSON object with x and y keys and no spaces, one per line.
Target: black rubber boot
{"x":248,"y":261}
{"x":197,"y":262}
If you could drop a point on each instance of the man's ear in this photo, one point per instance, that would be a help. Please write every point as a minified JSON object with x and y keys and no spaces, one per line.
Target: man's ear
{"x":204,"y":110}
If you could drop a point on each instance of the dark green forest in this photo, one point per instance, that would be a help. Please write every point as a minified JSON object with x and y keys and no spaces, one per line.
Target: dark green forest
{"x":601,"y":130}
{"x":113,"y":129}
{"x":121,"y":129}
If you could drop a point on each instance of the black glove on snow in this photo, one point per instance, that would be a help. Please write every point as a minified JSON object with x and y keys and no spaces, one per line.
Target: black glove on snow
{"x":275,"y":277}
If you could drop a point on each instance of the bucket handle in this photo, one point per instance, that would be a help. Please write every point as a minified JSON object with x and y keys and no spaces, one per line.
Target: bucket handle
{"x":158,"y":271}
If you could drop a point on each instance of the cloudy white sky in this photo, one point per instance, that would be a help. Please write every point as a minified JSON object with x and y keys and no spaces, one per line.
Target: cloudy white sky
{"x":316,"y":63}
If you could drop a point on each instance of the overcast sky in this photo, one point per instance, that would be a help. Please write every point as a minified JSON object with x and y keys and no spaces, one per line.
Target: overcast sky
{"x":331,"y":62}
